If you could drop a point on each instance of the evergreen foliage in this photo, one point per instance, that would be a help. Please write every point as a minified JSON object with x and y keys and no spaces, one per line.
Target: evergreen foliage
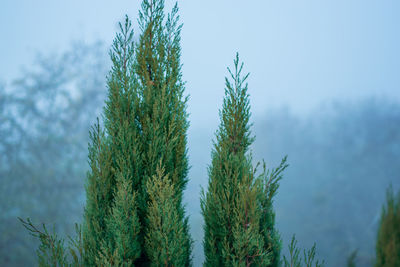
{"x":237,"y":208}
{"x":165,"y":240}
{"x":295,"y":259}
{"x":162,"y":117}
{"x":271,"y":235}
{"x":52,"y":252}
{"x":111,"y":225}
{"x":388,"y":241}
{"x":129,"y":219}
{"x":145,"y":131}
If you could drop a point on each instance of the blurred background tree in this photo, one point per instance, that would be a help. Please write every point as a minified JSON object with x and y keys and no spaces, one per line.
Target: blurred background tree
{"x":44,"y":120}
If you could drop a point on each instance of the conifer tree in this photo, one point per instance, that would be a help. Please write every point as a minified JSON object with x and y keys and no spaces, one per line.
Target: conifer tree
{"x":388,"y":241}
{"x":163,"y":121}
{"x":145,"y":132}
{"x":138,"y":163}
{"x":237,"y":208}
{"x":111,"y":225}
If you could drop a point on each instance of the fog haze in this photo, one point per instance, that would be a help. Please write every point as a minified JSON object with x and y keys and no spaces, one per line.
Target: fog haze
{"x":324,"y":89}
{"x":298,"y":53}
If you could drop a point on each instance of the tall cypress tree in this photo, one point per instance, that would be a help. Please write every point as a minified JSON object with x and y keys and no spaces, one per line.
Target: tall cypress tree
{"x":111,"y":225}
{"x":237,"y":208}
{"x":142,"y":149}
{"x":138,"y":163}
{"x":163,"y":122}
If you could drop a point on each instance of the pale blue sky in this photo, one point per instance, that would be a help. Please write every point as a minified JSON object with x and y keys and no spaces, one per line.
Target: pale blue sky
{"x":299,"y":53}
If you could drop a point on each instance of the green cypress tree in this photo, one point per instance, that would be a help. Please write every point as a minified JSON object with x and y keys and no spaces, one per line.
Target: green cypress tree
{"x":111,"y":225}
{"x":162,"y":118}
{"x":237,"y":208}
{"x":146,"y":125}
{"x":388,"y":241}
{"x":134,"y":213}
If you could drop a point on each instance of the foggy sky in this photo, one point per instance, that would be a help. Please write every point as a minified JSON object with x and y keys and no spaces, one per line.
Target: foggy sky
{"x":299,"y":53}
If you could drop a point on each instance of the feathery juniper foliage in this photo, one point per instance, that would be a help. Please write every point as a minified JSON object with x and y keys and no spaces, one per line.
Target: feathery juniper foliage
{"x":165,"y":240}
{"x":111,"y":225}
{"x":267,"y":224}
{"x":295,"y":259}
{"x":99,"y":194}
{"x":162,"y":113}
{"x":388,"y":241}
{"x":51,"y":252}
{"x":146,"y":125}
{"x":237,"y":208}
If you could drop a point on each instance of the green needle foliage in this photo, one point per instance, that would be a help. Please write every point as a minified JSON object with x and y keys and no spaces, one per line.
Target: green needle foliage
{"x":111,"y":224}
{"x":162,"y":114}
{"x":138,"y":163}
{"x":52,"y":252}
{"x":295,"y":259}
{"x":388,"y":241}
{"x":165,"y":240}
{"x":271,"y":236}
{"x":237,"y":209}
{"x":145,"y":131}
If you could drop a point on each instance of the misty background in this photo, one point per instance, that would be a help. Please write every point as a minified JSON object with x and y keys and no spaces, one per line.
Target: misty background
{"x":324,"y":90}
